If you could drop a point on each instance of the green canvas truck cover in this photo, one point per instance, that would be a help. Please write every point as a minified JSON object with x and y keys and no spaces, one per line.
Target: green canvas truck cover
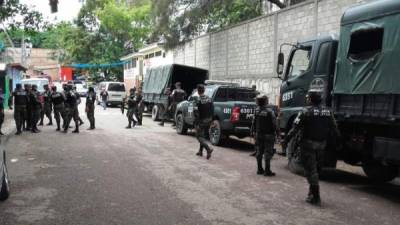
{"x":156,"y":79}
{"x":368,"y":60}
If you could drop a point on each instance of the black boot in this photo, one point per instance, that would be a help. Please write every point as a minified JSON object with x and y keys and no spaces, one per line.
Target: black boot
{"x":209,"y":152}
{"x":200,"y":152}
{"x":268,"y":172}
{"x":309,"y":195}
{"x":76,"y":128}
{"x":129,"y":125}
{"x":161,"y":123}
{"x":315,"y":198}
{"x":260,"y":169}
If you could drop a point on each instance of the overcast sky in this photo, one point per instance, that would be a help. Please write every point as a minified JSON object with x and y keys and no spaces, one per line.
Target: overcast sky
{"x":67,"y":9}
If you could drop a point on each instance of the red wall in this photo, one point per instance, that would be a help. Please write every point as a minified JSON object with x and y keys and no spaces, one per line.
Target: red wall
{"x":66,"y":73}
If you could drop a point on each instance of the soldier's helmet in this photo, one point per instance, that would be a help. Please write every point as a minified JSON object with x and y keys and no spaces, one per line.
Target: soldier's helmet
{"x":315,"y":91}
{"x":54,"y":88}
{"x":132,"y":90}
{"x":261,"y":100}
{"x":34,"y":87}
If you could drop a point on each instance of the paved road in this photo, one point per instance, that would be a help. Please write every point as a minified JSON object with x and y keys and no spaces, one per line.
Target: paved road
{"x":150,"y":175}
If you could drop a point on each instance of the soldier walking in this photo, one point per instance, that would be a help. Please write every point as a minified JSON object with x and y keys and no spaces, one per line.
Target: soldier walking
{"x":315,"y":123}
{"x":178,"y":95}
{"x":79,"y":102}
{"x":47,"y":106}
{"x":203,"y":113}
{"x":58,"y":99}
{"x":167,"y":111}
{"x":36,"y":106}
{"x":28,"y":118}
{"x":264,"y":129}
{"x":90,"y":102}
{"x":21,"y":100}
{"x":131,"y":108}
{"x":71,"y":109}
{"x":140,"y":106}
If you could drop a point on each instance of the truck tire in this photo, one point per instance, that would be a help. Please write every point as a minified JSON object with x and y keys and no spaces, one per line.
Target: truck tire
{"x":380,"y":173}
{"x":155,"y":113}
{"x":181,"y":126}
{"x":5,"y":188}
{"x":293,"y":154}
{"x":215,"y":133}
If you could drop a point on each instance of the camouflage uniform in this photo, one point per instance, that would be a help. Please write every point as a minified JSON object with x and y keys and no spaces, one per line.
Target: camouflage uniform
{"x":58,"y":99}
{"x":203,"y":112}
{"x":90,"y":101}
{"x":132,"y":107}
{"x":36,"y":107}
{"x":20,"y":106}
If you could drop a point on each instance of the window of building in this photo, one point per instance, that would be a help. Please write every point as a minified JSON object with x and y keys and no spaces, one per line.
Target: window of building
{"x":151,"y":55}
{"x":134,"y":63}
{"x":146,"y":56}
{"x":158,"y":53}
{"x":365,"y":44}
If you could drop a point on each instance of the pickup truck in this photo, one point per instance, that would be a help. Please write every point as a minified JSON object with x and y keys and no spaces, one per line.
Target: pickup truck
{"x":233,"y":111}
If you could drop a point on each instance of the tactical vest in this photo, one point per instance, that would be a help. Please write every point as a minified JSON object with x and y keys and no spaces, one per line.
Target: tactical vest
{"x":131,"y":101}
{"x":178,"y":95}
{"x":57,"y":98}
{"x":205,"y":108}
{"x":71,"y":99}
{"x":263,"y":121}
{"x":91,"y":98}
{"x":47,"y":97}
{"x":34,"y":97}
{"x":317,"y":124}
{"x":20,"y":98}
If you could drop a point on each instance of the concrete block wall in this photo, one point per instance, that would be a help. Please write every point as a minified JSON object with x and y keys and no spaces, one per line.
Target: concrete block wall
{"x":246,"y":53}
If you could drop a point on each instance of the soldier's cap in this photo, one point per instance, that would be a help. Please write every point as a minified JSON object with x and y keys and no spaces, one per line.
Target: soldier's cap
{"x":200,"y":87}
{"x":18,"y":86}
{"x":178,"y":84}
{"x":45,"y":85}
{"x":34,"y":86}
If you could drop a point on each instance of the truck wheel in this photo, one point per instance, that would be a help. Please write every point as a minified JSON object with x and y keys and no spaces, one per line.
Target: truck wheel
{"x":380,"y":173}
{"x":215,"y":133}
{"x":181,"y":127}
{"x":293,"y":154}
{"x":155,"y":113}
{"x":5,"y":188}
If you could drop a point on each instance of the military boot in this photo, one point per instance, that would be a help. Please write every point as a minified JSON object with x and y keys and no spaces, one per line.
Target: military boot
{"x":76,"y":129}
{"x":129,"y":125}
{"x":309,"y":195}
{"x":58,"y":127}
{"x":315,"y":198}
{"x":161,"y":123}
{"x":260,"y":170}
{"x":209,"y":152}
{"x":268,"y":172}
{"x":50,"y":123}
{"x":200,"y":152}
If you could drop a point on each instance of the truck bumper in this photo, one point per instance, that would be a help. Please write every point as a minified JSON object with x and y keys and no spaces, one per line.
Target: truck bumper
{"x":386,"y":149}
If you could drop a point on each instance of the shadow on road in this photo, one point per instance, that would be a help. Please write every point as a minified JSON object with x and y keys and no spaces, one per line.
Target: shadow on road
{"x":389,"y":191}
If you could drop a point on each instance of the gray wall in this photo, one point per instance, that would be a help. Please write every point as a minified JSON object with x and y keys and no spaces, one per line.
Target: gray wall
{"x":246,"y":53}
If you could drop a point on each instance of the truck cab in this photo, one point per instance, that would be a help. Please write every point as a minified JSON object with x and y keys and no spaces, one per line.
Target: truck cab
{"x":309,"y":60}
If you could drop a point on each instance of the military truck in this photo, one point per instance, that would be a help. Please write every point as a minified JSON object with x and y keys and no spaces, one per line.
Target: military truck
{"x":233,"y":111}
{"x":158,"y":79}
{"x":360,"y":74}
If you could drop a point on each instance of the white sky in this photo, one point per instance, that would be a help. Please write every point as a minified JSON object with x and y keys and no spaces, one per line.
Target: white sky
{"x":67,"y":9}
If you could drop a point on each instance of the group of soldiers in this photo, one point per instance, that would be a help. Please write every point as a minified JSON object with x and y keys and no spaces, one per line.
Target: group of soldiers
{"x":30,"y":106}
{"x":174,"y":98}
{"x":134,"y":103}
{"x":315,"y":124}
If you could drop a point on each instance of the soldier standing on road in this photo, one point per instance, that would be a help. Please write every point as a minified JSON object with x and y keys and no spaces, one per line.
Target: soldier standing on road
{"x":315,"y":123}
{"x":58,"y":99}
{"x":139,"y":106}
{"x":104,"y":98}
{"x":21,"y":100}
{"x":36,"y":106}
{"x":79,"y":102}
{"x":264,"y":129}
{"x":90,"y":102}
{"x":132,"y":105}
{"x":71,"y":109}
{"x":167,"y":111}
{"x":1,"y":110}
{"x":47,"y":107}
{"x":28,"y":118}
{"x":178,"y":95}
{"x":203,"y":113}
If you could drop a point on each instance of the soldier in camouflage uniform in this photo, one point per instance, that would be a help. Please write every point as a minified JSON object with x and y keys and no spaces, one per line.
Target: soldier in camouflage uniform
{"x":132,"y":106}
{"x":20,"y":103}
{"x":58,"y":99}
{"x":90,"y":102}
{"x":28,"y":118}
{"x":71,"y":109}
{"x":47,"y":106}
{"x":203,"y":113}
{"x":36,"y":107}
{"x":265,"y":130}
{"x":178,"y":95}
{"x":315,"y":123}
{"x":140,"y":106}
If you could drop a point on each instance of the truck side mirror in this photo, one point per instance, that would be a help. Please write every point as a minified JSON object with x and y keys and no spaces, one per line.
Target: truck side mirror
{"x":281,"y":62}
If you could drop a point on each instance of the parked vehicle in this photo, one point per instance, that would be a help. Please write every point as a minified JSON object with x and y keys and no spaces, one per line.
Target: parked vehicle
{"x":81,"y":89}
{"x":233,"y":111}
{"x":360,"y":75}
{"x":159,"y":78}
{"x":116,"y":92}
{"x":38,"y":81}
{"x":4,"y":185}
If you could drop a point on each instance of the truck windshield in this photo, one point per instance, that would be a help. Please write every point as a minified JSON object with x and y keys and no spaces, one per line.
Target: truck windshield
{"x":300,"y":62}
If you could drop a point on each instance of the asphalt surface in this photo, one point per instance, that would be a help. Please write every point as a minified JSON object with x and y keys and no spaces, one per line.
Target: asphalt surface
{"x":150,"y":175}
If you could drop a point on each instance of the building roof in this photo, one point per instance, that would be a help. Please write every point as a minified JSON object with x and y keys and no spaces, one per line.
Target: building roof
{"x":130,"y":56}
{"x":371,"y":10}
